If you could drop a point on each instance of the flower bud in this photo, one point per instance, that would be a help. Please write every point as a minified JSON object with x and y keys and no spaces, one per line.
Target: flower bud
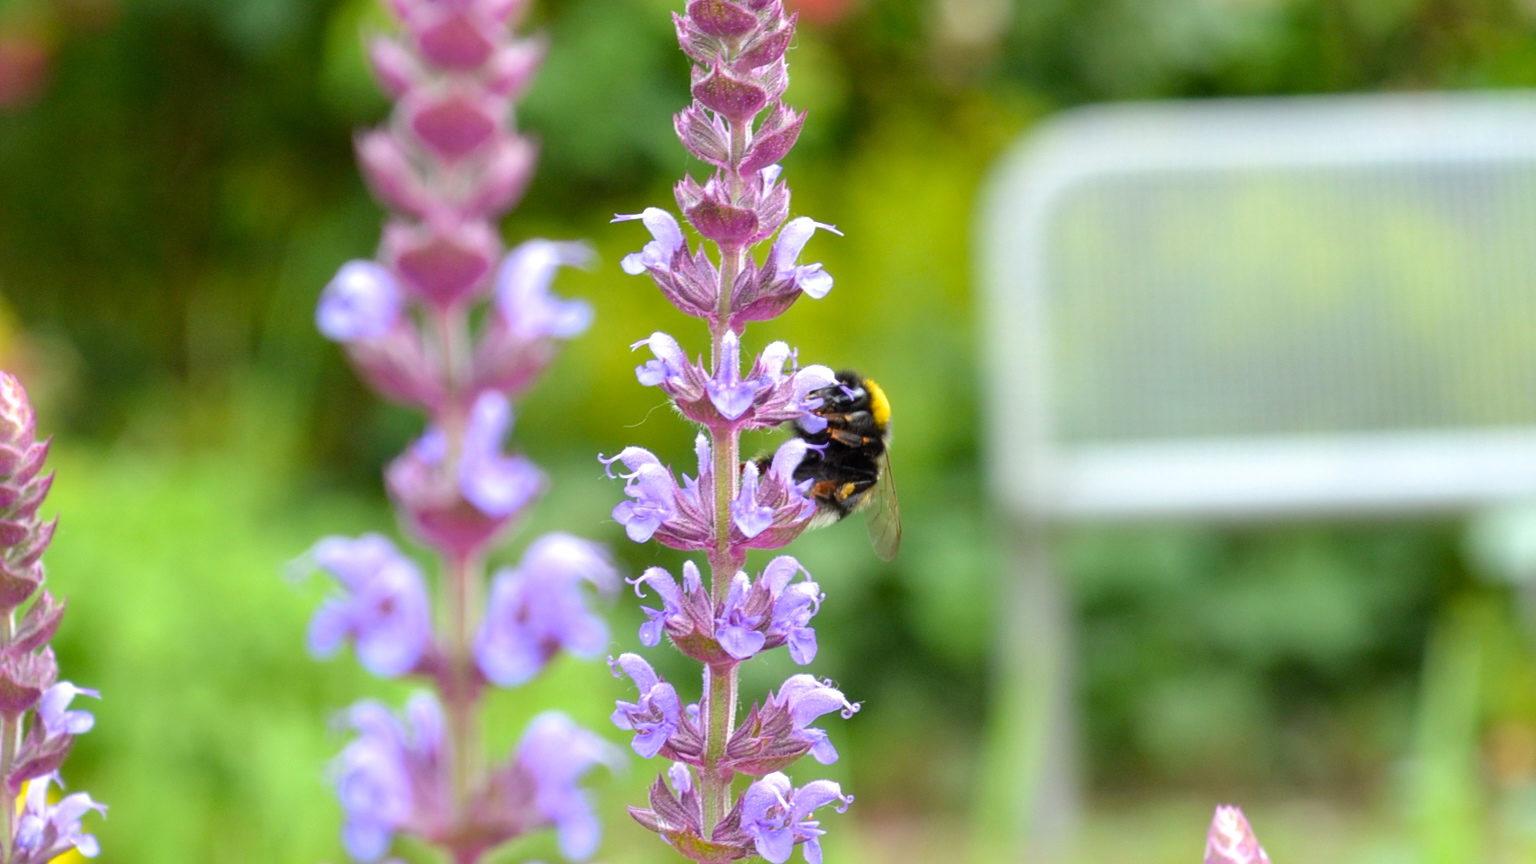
{"x":456,"y":41}
{"x":445,"y":264}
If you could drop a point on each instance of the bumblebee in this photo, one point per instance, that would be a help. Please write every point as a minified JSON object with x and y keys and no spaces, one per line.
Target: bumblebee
{"x":849,"y":463}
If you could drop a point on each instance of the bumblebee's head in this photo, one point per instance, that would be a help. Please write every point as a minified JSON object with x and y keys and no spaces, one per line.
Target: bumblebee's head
{"x":853,"y":392}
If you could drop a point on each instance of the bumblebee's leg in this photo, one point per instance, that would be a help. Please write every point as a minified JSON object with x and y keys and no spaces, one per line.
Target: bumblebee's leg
{"x":847,"y":438}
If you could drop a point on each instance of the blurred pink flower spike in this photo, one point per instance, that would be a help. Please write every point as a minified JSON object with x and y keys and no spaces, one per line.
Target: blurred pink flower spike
{"x":1231,"y":840}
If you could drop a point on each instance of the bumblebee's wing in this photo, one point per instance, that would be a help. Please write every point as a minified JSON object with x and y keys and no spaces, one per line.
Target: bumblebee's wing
{"x":883,"y":518}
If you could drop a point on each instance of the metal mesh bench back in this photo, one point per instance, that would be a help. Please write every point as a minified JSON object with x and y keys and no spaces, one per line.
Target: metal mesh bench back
{"x":1263,"y":308}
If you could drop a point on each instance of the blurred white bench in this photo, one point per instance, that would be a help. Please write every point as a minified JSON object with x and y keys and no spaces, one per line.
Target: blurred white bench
{"x":1241,"y":310}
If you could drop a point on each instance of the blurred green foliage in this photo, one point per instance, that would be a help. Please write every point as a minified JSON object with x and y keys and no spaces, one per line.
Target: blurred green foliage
{"x":173,"y":201}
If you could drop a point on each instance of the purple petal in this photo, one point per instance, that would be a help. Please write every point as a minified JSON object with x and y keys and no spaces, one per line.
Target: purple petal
{"x":328,"y":629}
{"x":814,"y":281}
{"x":788,"y":457}
{"x":771,"y":791}
{"x":362,"y":302}
{"x":669,"y":363}
{"x":681,"y":777}
{"x":739,"y":642}
{"x":659,"y":252}
{"x":775,"y":846}
{"x":637,"y":669}
{"x":802,"y":645}
{"x":522,"y":290}
{"x":751,"y":518}
{"x":792,"y":240}
{"x":816,"y":794}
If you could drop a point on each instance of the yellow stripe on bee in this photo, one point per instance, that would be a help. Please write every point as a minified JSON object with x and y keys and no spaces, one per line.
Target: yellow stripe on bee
{"x":879,"y":406}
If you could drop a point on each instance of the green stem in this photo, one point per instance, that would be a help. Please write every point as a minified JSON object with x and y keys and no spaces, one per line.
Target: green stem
{"x":720,"y":721}
{"x":462,"y":589}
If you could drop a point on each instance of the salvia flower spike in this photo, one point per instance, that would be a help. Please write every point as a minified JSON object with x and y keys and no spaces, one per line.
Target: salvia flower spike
{"x":37,"y":722}
{"x":738,"y":125}
{"x":448,"y":321}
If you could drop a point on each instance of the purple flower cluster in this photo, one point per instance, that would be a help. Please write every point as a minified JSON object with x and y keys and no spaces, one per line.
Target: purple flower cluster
{"x":35,"y":718}
{"x":738,"y":125}
{"x":447,"y":321}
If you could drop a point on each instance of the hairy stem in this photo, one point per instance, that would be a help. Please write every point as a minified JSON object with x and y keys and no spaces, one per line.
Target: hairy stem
{"x":720,"y":713}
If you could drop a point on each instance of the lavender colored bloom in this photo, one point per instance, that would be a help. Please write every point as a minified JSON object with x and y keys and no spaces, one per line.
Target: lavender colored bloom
{"x":45,"y":831}
{"x":731,"y":395}
{"x":51,"y":710}
{"x":658,"y":253}
{"x":658,"y":713}
{"x":671,"y":600}
{"x":522,"y":290}
{"x":775,"y":500}
{"x":1231,"y":840}
{"x":751,"y":517}
{"x":777,"y":816}
{"x":377,"y":774}
{"x":539,"y":608}
{"x":681,"y":777}
{"x":810,"y":278}
{"x":652,"y":487}
{"x":385,"y":610}
{"x":806,"y":699}
{"x":735,"y":629}
{"x":793,"y":607}
{"x":671,"y":367}
{"x":363,"y":302}
{"x":496,"y":484}
{"x":558,"y":753}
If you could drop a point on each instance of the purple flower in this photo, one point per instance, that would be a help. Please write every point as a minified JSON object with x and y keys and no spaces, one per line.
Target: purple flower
{"x":671,"y":600}
{"x":671,"y":369}
{"x":776,"y":815}
{"x":1231,"y":840}
{"x":652,"y":487}
{"x":45,"y":831}
{"x":385,"y":610}
{"x":558,"y":753}
{"x":658,"y":713}
{"x":496,"y":484}
{"x":362,"y":302}
{"x":658,"y":253}
{"x":805,"y":699}
{"x":539,"y":608}
{"x":793,"y":607}
{"x":522,"y":290}
{"x":731,"y":395}
{"x":681,"y":777}
{"x":788,"y":398}
{"x":751,"y":517}
{"x":378,"y":772}
{"x":810,"y":278}
{"x":735,"y":630}
{"x":775,"y":501}
{"x":58,"y":721}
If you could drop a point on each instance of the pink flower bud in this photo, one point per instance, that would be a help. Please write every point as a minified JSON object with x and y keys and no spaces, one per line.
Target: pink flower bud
{"x":445,"y":265}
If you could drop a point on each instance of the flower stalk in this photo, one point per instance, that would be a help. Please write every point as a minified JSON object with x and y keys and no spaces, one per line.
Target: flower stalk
{"x":737,"y":124}
{"x":447,"y":322}
{"x":37,"y":729}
